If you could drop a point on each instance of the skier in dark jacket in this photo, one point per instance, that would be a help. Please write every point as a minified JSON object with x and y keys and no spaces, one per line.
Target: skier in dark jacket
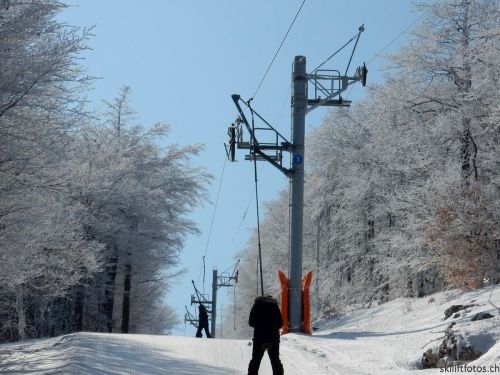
{"x":202,"y":321}
{"x":265,"y":318}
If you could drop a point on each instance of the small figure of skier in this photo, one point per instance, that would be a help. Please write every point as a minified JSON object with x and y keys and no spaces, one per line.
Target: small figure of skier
{"x":202,"y":321}
{"x":265,"y":318}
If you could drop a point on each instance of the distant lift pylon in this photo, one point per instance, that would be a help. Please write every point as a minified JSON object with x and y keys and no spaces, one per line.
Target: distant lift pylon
{"x":225,"y":279}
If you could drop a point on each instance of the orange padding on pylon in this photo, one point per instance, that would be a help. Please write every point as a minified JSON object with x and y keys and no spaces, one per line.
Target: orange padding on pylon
{"x":285,"y":285}
{"x":306,"y":302}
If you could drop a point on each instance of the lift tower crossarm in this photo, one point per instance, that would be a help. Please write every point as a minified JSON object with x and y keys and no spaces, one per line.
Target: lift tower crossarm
{"x":225,"y":279}
{"x":344,"y":83}
{"x":200,"y":298}
{"x":189,"y":318}
{"x":287,"y":172}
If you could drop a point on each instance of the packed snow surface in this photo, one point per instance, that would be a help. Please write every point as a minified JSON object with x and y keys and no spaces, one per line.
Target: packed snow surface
{"x":386,"y":339}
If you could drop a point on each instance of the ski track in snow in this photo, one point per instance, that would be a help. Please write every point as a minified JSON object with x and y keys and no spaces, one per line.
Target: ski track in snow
{"x":387,"y":339}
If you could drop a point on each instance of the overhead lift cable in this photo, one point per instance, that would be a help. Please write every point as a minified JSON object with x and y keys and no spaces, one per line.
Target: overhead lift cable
{"x":212,"y":223}
{"x":378,"y":54}
{"x":257,"y":205}
{"x":278,"y":50}
{"x":251,"y":196}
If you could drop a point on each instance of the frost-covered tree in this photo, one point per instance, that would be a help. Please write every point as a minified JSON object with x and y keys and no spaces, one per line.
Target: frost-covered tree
{"x":137,"y":194}
{"x":92,"y":209}
{"x":452,"y":62}
{"x":40,"y":236}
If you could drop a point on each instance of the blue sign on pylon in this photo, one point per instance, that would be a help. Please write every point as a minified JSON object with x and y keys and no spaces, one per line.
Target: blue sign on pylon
{"x":297,"y":159}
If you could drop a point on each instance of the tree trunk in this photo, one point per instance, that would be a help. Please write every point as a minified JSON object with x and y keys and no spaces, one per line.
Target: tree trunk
{"x":78,"y":310}
{"x":126,"y":298}
{"x":465,"y":153}
{"x":21,"y":316}
{"x":109,"y":290}
{"x":464,"y":86}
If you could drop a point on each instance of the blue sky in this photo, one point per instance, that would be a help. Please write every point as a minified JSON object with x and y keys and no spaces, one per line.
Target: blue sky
{"x":183,"y":59}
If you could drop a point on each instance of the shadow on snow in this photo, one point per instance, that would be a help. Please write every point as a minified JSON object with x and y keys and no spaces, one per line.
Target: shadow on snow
{"x":77,"y":354}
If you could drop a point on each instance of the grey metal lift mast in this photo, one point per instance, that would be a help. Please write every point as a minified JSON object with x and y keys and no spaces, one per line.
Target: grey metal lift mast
{"x":299,"y":107}
{"x":327,"y":85}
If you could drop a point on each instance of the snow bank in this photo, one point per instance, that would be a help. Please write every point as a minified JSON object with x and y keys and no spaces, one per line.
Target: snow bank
{"x":387,"y":339}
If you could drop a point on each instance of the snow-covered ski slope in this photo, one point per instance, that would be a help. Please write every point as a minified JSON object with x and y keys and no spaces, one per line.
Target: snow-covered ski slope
{"x":387,"y":339}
